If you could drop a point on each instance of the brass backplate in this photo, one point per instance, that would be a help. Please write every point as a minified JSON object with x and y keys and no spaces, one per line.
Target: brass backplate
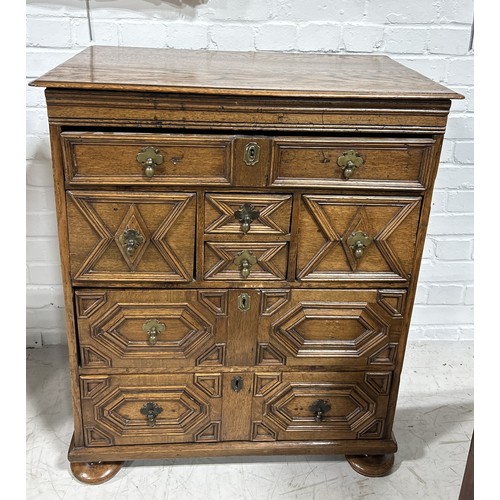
{"x":150,"y":153}
{"x":350,"y":157}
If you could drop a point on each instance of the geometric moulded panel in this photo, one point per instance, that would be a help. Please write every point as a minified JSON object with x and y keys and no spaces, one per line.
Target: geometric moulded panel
{"x":330,"y":329}
{"x":121,"y":329}
{"x":120,"y":411}
{"x":290,"y":407}
{"x":327,"y":222}
{"x":146,"y":328}
{"x":122,"y":237}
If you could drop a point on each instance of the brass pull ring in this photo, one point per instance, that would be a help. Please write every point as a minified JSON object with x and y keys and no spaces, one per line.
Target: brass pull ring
{"x":246,"y":215}
{"x":349,"y":161}
{"x":149,"y":158}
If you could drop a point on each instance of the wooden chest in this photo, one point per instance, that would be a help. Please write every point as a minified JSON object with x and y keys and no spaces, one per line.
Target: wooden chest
{"x":241,"y":235}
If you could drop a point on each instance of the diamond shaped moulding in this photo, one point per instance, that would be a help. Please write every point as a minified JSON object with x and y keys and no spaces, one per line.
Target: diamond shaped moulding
{"x":361,"y":223}
{"x":132,"y":220}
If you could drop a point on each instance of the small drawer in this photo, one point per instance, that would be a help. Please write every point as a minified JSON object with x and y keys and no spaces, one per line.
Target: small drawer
{"x":131,"y":237}
{"x":245,"y":261}
{"x":351,"y":163}
{"x":357,"y":238}
{"x":151,"y":328}
{"x":96,"y":158}
{"x":248,"y":214}
{"x":334,"y":405}
{"x":150,"y":409}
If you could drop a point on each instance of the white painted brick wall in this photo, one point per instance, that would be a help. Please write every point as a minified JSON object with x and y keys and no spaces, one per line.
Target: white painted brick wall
{"x":430,"y":36}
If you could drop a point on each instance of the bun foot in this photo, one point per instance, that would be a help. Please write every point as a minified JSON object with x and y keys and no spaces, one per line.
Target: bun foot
{"x":371,"y":465}
{"x":95,"y":472}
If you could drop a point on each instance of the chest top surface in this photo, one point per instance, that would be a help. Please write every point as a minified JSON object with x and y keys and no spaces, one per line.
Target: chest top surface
{"x":264,"y":74}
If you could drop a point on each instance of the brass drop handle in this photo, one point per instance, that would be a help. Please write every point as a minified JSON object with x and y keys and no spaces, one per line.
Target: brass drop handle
{"x":149,"y":158}
{"x":153,"y":328}
{"x":319,"y":408}
{"x":246,"y":215}
{"x":358,"y":242}
{"x":349,"y":161}
{"x":131,"y":239}
{"x":245,"y":260}
{"x":151,"y":411}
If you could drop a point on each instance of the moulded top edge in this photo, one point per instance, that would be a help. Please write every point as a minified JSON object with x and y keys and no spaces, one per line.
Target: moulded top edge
{"x":259,"y":74}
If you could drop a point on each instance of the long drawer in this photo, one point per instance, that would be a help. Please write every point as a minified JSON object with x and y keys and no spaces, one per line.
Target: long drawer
{"x":190,"y":159}
{"x":243,"y":406}
{"x":275,"y":328}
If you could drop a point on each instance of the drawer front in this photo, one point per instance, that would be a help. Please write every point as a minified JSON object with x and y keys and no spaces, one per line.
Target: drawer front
{"x":248,"y":214}
{"x":245,"y":261}
{"x":330,"y":406}
{"x":357,"y":238}
{"x":127,"y":237}
{"x":377,"y":163}
{"x":92,"y":158}
{"x":355,"y":329}
{"x":151,"y":328}
{"x":150,"y":409}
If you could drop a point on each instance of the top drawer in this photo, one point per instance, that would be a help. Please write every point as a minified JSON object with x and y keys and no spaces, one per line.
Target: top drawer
{"x":92,"y":158}
{"x":345,"y":163}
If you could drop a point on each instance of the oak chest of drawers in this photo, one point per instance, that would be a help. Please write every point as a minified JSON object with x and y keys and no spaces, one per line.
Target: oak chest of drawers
{"x":240,"y":239}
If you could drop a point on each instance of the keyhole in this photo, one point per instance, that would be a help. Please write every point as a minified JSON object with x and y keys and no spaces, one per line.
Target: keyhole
{"x":252,"y":153}
{"x":237,"y":384}
{"x":244,"y":302}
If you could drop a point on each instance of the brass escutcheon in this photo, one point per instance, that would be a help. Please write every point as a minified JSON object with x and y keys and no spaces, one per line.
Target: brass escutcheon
{"x":358,"y":242}
{"x":319,"y":408}
{"x":151,"y":411}
{"x":246,"y":215}
{"x":131,"y":239}
{"x":252,"y":153}
{"x":244,"y":302}
{"x":153,"y":328}
{"x":349,"y":161}
{"x":245,"y":260}
{"x":149,"y":158}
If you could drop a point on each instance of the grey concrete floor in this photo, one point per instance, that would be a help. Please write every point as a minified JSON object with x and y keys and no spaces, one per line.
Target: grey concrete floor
{"x":433,"y":427}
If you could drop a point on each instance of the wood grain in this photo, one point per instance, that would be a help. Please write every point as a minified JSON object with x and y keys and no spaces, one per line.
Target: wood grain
{"x":241,"y":73}
{"x":110,"y":158}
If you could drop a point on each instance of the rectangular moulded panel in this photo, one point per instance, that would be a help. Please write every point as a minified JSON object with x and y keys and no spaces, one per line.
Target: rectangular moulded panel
{"x":97,"y":158}
{"x":387,"y":163}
